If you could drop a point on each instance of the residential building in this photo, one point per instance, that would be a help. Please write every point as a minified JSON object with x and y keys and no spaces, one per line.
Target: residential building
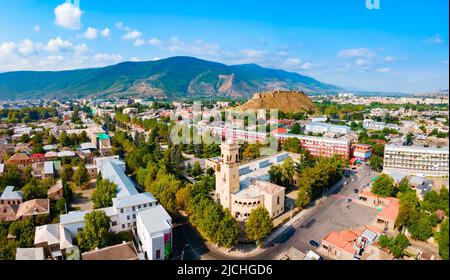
{"x":11,"y":197}
{"x":361,"y":152}
{"x":320,"y":127}
{"x":389,"y":208}
{"x":33,"y":208}
{"x":154,"y":228}
{"x":125,"y":251}
{"x":420,"y":161}
{"x":30,"y":254}
{"x":126,"y":204}
{"x":54,"y":239}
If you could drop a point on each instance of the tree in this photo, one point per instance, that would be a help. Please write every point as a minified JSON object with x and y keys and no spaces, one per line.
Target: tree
{"x":384,"y":186}
{"x":403,"y":186}
{"x":96,"y":233}
{"x":35,"y":189}
{"x":64,"y":139}
{"x":303,"y":198}
{"x":295,"y":129}
{"x":259,"y":225}
{"x":376,"y":163}
{"x":378,"y":149}
{"x":395,"y":245}
{"x":422,"y":229}
{"x":212,"y":215}
{"x":182,"y":197}
{"x":11,"y":177}
{"x":164,"y":188}
{"x":408,"y":213}
{"x":23,"y":230}
{"x":197,"y":170}
{"x":82,"y":137}
{"x":67,"y":173}
{"x":81,"y":176}
{"x":228,"y":231}
{"x":105,"y":191}
{"x":292,"y":145}
{"x":442,"y":237}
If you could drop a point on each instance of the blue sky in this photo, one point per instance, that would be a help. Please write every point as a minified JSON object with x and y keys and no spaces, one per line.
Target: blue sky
{"x":403,"y":46}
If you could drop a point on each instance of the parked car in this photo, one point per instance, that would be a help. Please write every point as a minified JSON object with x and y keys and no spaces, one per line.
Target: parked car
{"x":368,"y":173}
{"x":346,"y":183}
{"x":353,"y":180}
{"x":314,"y":243}
{"x":355,"y":191}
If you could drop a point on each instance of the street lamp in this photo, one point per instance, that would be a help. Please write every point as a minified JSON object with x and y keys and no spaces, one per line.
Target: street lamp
{"x":182,"y":252}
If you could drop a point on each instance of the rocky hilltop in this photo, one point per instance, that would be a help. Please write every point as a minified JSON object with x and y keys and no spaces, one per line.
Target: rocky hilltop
{"x":286,"y":101}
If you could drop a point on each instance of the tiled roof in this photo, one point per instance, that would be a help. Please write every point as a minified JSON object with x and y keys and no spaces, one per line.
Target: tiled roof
{"x":124,"y":251}
{"x":33,"y":207}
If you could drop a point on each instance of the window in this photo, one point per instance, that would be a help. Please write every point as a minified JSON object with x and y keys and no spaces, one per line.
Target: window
{"x":158,"y":254}
{"x":134,"y":216}
{"x":278,"y":200}
{"x":79,"y":229}
{"x":123,"y":225}
{"x":129,"y":225}
{"x":128,"y":217}
{"x":134,"y":208}
{"x":139,"y":206}
{"x":121,"y":210}
{"x":114,"y":223}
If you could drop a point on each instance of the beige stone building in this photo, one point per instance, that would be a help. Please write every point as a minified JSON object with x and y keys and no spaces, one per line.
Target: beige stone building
{"x":242,"y":188}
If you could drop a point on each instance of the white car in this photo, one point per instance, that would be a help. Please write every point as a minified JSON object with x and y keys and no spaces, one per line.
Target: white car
{"x":353,"y":180}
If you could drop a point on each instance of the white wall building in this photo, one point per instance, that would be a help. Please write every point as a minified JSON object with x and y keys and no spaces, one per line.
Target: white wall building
{"x":154,"y":228}
{"x":418,"y":161}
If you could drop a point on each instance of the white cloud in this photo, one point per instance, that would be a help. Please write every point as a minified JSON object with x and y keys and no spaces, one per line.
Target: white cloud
{"x":198,"y":47}
{"x":102,"y":57}
{"x":56,"y":45}
{"x":106,"y":33}
{"x":68,"y":16}
{"x":383,"y":70}
{"x":253,"y":53}
{"x":91,"y":33}
{"x":154,"y":42}
{"x":132,"y":35}
{"x":361,"y":62}
{"x":436,"y":39}
{"x":445,"y":62}
{"x":291,"y":61}
{"x":359,"y":52}
{"x":389,"y":58}
{"x":307,"y":66}
{"x":37,"y":28}
{"x":7,"y":49}
{"x":26,"y":47}
{"x":139,"y":42}
{"x":119,"y":25}
{"x":81,"y":49}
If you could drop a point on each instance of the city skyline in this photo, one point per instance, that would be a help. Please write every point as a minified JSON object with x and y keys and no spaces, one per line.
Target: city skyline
{"x":344,"y":44}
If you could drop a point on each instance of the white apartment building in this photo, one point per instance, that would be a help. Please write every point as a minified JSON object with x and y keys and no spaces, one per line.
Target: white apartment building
{"x":418,"y":161}
{"x":373,"y":125}
{"x":154,"y":228}
{"x":320,"y":127}
{"x":126,"y":204}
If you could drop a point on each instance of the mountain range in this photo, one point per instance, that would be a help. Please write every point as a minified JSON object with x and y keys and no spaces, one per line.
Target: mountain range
{"x":166,"y":78}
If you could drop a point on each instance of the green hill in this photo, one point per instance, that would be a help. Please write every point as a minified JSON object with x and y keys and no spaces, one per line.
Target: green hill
{"x":171,"y":77}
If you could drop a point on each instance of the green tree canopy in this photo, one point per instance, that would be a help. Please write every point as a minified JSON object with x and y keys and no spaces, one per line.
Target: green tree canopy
{"x":105,"y":191}
{"x":259,"y":225}
{"x":384,"y":186}
{"x":96,"y":233}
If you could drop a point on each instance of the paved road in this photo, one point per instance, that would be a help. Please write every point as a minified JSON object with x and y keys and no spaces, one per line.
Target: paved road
{"x":331,"y":214}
